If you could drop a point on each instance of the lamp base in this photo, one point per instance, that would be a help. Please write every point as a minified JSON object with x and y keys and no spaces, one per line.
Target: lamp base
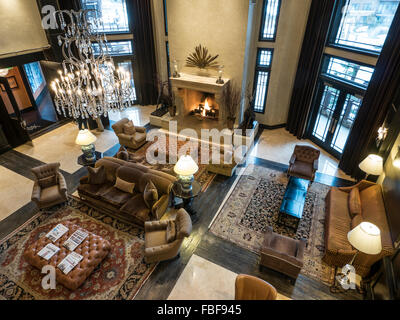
{"x":89,"y":153}
{"x":186,"y":183}
{"x":220,"y":81}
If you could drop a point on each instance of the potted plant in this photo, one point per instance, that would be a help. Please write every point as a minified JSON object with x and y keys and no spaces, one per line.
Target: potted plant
{"x":231,"y":98}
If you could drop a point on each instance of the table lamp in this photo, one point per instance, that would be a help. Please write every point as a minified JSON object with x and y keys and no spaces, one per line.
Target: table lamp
{"x":86,"y":139}
{"x":185,"y":169}
{"x":372,"y":165}
{"x":365,"y":238}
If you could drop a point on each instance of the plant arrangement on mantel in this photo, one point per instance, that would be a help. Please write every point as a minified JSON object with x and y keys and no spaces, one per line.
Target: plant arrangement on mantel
{"x":202,"y":59}
{"x":231,"y":99}
{"x":166,"y":97}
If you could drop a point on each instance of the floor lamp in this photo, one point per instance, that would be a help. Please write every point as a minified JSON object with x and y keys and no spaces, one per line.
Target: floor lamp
{"x":372,"y":165}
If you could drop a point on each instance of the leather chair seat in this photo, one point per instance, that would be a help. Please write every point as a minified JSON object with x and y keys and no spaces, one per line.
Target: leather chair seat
{"x":137,"y":208}
{"x":156,"y":238}
{"x":140,"y":137}
{"x":252,"y":288}
{"x":50,"y":195}
{"x":283,"y":246}
{"x":302,"y":169}
{"x":116,"y":197}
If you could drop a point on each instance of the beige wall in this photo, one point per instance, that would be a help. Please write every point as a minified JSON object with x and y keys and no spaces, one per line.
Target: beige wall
{"x":287,"y":48}
{"x":220,"y":25}
{"x":20,"y":27}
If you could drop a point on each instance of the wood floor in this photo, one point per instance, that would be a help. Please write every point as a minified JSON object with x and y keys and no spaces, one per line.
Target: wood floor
{"x":201,"y":242}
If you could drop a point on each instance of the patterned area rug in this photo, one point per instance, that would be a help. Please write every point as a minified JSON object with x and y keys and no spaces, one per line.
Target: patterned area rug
{"x":254,"y":205}
{"x":118,"y":277}
{"x":202,"y":176}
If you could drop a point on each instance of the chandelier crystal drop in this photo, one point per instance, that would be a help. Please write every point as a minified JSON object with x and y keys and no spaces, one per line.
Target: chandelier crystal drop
{"x":89,"y":86}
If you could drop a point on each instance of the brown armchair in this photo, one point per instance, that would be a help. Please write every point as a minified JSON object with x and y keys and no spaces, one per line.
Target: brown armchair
{"x":304,"y":162}
{"x":133,"y":141}
{"x":156,"y":246}
{"x":282,"y":254}
{"x":252,"y":288}
{"x":50,"y":187}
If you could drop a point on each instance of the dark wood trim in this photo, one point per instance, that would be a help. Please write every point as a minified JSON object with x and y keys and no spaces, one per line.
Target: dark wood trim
{"x":274,"y":127}
{"x":22,"y":59}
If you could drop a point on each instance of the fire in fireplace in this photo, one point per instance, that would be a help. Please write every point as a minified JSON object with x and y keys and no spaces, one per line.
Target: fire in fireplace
{"x":205,"y":110}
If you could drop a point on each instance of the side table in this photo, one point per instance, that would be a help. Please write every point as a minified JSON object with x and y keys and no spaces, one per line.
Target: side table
{"x":187,"y":197}
{"x":84,"y":163}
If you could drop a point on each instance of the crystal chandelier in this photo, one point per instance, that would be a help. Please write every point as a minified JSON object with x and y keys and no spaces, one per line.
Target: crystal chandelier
{"x":89,"y":85}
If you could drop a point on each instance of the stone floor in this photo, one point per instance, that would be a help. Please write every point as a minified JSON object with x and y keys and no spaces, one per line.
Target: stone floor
{"x":278,"y":145}
{"x":140,"y":115}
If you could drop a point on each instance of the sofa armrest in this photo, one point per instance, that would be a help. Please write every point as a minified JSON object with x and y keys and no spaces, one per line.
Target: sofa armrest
{"x":292,"y":159}
{"x":168,"y":248}
{"x":300,"y":250}
{"x":141,"y":129}
{"x":364,"y":184}
{"x":160,"y":207}
{"x":125,"y":136}
{"x":62,"y":183}
{"x":36,"y":192}
{"x":316,"y":165}
{"x":151,"y":226}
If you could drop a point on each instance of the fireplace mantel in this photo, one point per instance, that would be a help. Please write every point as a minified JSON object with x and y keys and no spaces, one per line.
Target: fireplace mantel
{"x":188,"y":83}
{"x":194,"y":82}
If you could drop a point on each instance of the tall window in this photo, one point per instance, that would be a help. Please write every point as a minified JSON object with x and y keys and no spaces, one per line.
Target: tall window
{"x":363,"y":25}
{"x":112,"y":13}
{"x":34,"y":75}
{"x":263,"y":69}
{"x":127,"y":66}
{"x":115,"y":48}
{"x":270,"y":18}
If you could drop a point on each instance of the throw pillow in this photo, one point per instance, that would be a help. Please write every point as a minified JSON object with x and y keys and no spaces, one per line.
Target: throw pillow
{"x":356,"y":221}
{"x":125,"y":186}
{"x":171,"y":232}
{"x":150,"y":194}
{"x":97,"y":175}
{"x":354,"y":202}
{"x":48,"y":182}
{"x":129,"y":128}
{"x":123,"y":155}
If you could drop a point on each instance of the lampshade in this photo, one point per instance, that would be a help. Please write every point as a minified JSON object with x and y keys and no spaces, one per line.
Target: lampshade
{"x":366,"y":238}
{"x":373,"y":165}
{"x":85,"y":138}
{"x":186,"y":166}
{"x":3,"y":72}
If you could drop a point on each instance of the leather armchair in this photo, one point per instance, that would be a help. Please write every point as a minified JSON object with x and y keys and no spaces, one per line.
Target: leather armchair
{"x":156,"y":246}
{"x":282,"y":254}
{"x":49,"y":187}
{"x":304,"y":162}
{"x":252,"y":288}
{"x":134,"y":141}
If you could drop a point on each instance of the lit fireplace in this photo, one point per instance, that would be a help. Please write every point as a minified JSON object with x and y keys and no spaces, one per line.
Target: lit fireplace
{"x":206,"y":111}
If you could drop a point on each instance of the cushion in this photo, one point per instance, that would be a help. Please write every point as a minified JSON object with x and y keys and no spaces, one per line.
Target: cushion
{"x":125,"y":186}
{"x":357,"y":219}
{"x":123,"y":155}
{"x":354,"y":202}
{"x":150,"y":194}
{"x":93,"y":190}
{"x":97,"y":175}
{"x":129,"y":128}
{"x":48,"y":182}
{"x":155,"y":238}
{"x":50,"y":194}
{"x":140,"y":137}
{"x":116,"y":197}
{"x":171,"y":232}
{"x":303,"y":169}
{"x":137,"y":208}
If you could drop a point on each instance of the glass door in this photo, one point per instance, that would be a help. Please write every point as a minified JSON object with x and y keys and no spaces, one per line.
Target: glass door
{"x":334,"y":117}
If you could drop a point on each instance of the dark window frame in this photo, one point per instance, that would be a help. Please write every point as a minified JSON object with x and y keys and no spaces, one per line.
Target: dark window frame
{"x":259,"y":68}
{"x":334,"y":28}
{"x":264,"y":16}
{"x":122,"y":55}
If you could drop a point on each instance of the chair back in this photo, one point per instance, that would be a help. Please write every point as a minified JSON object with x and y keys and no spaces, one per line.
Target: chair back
{"x":252,"y":288}
{"x":183,"y":224}
{"x":47,"y":174}
{"x":118,"y":127}
{"x":306,"y":153}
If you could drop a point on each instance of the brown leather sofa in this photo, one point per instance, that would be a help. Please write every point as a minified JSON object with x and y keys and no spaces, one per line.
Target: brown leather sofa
{"x":126,"y":205}
{"x":133,"y":141}
{"x":50,"y":187}
{"x":304,"y":162}
{"x":252,"y":288}
{"x":157,"y":246}
{"x":339,"y":222}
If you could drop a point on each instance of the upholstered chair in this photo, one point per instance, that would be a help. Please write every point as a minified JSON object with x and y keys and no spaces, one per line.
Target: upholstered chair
{"x":134,"y":139}
{"x":252,"y":288}
{"x":163,"y":242}
{"x":304,"y":162}
{"x":50,"y":187}
{"x":282,"y":254}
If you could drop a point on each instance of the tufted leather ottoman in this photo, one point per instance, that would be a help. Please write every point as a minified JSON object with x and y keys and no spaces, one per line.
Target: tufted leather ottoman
{"x":93,"y":249}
